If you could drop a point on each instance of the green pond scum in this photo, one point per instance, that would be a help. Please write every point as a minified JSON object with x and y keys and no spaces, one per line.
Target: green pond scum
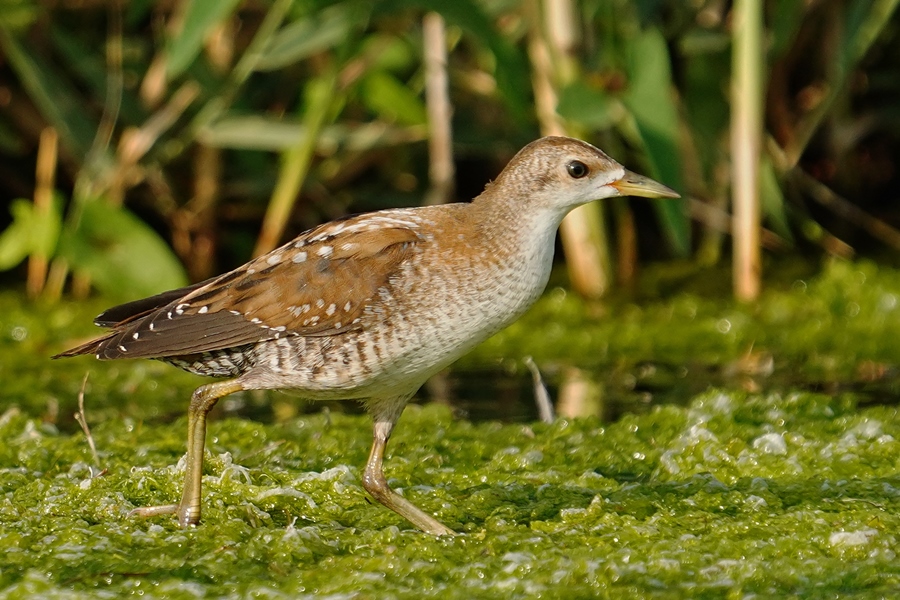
{"x":737,"y":491}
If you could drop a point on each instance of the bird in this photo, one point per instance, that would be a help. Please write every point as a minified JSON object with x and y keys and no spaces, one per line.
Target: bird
{"x":370,"y":306}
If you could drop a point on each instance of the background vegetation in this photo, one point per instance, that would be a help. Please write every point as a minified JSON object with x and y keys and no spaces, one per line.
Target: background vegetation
{"x":173,"y":140}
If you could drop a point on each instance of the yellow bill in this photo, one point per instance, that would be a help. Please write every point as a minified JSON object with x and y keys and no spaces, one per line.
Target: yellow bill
{"x":633,"y":184}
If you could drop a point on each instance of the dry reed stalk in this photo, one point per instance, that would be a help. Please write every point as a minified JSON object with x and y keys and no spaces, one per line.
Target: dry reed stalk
{"x":440,"y":111}
{"x":45,"y":177}
{"x":582,"y":231}
{"x":746,"y":138}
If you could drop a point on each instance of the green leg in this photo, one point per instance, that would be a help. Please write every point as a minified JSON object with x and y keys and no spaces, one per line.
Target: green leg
{"x":203,"y":401}
{"x":375,"y":483}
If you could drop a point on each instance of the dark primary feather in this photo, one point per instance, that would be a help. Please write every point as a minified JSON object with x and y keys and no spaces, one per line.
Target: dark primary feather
{"x":123,"y":313}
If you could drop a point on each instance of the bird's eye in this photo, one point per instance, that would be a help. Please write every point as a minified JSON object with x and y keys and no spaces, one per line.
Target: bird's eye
{"x":577,"y":169}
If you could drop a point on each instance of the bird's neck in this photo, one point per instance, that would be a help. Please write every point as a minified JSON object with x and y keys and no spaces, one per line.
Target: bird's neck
{"x":518,"y":241}
{"x":513,"y":225}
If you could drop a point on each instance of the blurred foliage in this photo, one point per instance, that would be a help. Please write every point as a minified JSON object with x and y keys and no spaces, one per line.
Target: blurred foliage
{"x":182,"y":123}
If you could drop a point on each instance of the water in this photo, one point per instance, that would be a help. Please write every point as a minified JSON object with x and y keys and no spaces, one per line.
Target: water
{"x":508,"y":395}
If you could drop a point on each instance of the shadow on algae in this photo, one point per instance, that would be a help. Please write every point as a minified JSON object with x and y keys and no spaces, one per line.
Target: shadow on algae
{"x":726,"y":452}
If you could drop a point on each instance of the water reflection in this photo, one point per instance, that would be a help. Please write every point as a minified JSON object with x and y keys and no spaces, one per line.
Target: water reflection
{"x":506,"y":392}
{"x":610,"y":392}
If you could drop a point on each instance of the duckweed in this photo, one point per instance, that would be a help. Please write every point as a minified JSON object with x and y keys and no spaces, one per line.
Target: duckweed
{"x":731,"y":492}
{"x":701,"y":500}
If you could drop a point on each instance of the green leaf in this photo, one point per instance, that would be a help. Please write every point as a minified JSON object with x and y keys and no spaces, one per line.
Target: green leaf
{"x":706,"y":106}
{"x":318,"y":32}
{"x":650,"y":100}
{"x":200,"y":17}
{"x":864,"y":22}
{"x":15,"y":241}
{"x":18,"y":15}
{"x":510,"y":68}
{"x":123,"y":256}
{"x":57,"y":99}
{"x":772,"y":199}
{"x":259,"y":132}
{"x":390,"y":53}
{"x":785,"y":23}
{"x":393,"y":101}
{"x":30,"y":233}
{"x":252,"y":132}
{"x":590,"y":107}
{"x":46,"y":228}
{"x":87,"y":62}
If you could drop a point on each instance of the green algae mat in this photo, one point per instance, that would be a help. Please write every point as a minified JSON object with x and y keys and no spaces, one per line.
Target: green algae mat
{"x":784,"y":484}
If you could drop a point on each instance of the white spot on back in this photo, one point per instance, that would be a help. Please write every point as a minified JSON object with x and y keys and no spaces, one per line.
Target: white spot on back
{"x":274,"y":259}
{"x":136,"y":335}
{"x":330,"y":310}
{"x":325,"y":251}
{"x":299,"y":257}
{"x":320,"y":303}
{"x":203,"y":310}
{"x":347,"y":306}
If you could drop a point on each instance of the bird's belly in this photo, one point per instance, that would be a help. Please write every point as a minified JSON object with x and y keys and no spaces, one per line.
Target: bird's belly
{"x":454,"y":315}
{"x":429,"y":320}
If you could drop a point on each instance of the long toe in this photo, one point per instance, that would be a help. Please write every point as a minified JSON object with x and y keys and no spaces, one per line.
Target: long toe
{"x":152,"y":511}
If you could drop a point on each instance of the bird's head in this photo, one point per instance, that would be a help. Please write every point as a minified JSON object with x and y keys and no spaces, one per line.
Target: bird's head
{"x":560,"y":173}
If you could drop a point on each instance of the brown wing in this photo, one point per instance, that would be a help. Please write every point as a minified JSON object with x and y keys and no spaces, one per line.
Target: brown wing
{"x":319,"y":284}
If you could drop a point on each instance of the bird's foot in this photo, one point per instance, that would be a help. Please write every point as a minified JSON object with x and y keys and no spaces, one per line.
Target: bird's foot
{"x":187,"y":515}
{"x":434,"y":527}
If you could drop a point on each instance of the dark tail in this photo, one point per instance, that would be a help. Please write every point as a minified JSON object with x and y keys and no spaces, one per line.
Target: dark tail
{"x":122,"y":314}
{"x":92,"y":347}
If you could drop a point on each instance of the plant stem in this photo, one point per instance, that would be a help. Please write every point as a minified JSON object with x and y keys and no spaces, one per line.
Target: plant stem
{"x":746,"y":137}
{"x":45,"y":175}
{"x":440,"y":111}
{"x":583,"y":231}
